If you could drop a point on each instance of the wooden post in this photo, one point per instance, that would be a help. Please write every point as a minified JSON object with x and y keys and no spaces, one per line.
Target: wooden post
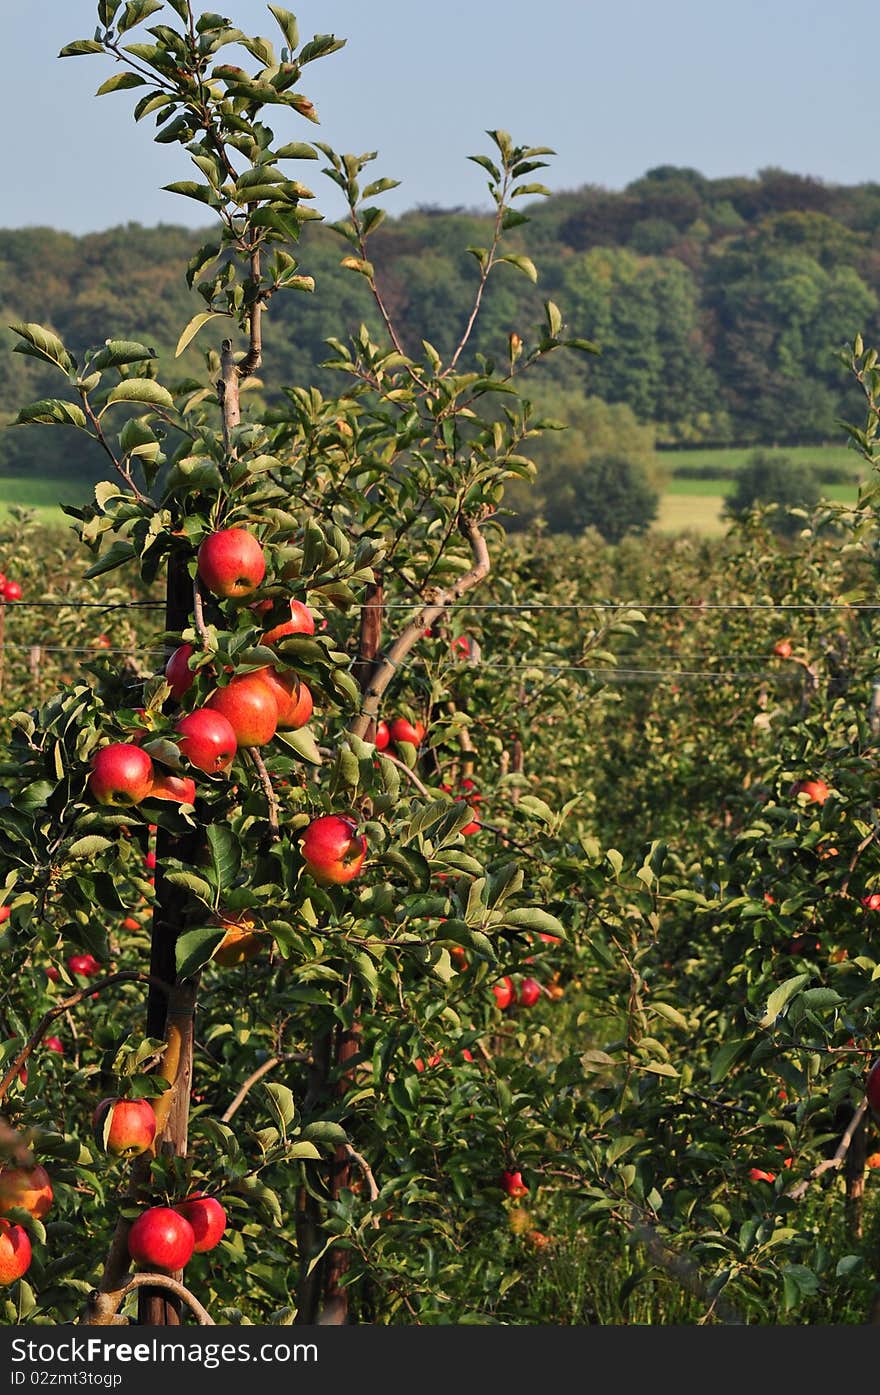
{"x":171,"y":1015}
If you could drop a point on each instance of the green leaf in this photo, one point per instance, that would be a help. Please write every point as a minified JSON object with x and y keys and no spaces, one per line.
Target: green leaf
{"x":302,"y":1150}
{"x":296,"y":150}
{"x":89,"y":846}
{"x":80,"y":46}
{"x":52,"y":411}
{"x":118,"y":82}
{"x":117,"y":352}
{"x":303,"y":743}
{"x":412,"y":863}
{"x":533,"y":918}
{"x":194,"y":949}
{"x":193,"y":328}
{"x":281,"y":1104}
{"x":523,"y":264}
{"x":43,"y":344}
{"x":780,"y":996}
{"x":287,"y":24}
{"x":379,"y":186}
{"x":141,"y":390}
{"x":364,"y":268}
{"x":191,"y":882}
{"x":225,"y":855}
{"x":116,"y":555}
{"x":135,"y":12}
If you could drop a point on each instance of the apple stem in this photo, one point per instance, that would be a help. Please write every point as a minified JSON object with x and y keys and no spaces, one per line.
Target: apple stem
{"x":265,"y":780}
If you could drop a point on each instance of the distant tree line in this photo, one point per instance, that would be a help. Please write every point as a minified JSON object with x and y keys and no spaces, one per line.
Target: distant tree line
{"x":718,"y":304}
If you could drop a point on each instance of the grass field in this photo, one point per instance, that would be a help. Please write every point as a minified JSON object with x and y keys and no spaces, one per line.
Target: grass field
{"x":43,"y":496}
{"x":734,"y":457}
{"x":696,"y":504}
{"x":686,"y":504}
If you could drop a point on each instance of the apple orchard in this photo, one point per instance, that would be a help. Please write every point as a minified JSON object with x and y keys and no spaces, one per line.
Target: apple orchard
{"x":374,"y":952}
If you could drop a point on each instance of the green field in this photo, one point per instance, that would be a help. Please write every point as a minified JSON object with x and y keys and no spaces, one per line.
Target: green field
{"x":696,"y":504}
{"x":734,"y":457}
{"x":43,"y":496}
{"x":693,"y":504}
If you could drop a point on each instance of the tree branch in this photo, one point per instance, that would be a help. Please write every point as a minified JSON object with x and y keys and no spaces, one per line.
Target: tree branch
{"x":387,"y":665}
{"x":102,"y":1307}
{"x":832,"y":1164}
{"x":45,"y":1022}
{"x":268,"y":788}
{"x":254,"y":1079}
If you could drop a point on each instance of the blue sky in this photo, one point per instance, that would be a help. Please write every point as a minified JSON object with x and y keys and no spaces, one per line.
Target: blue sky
{"x":614,"y":87}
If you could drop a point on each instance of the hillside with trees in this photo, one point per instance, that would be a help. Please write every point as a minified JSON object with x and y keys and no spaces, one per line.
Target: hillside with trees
{"x":719,"y":304}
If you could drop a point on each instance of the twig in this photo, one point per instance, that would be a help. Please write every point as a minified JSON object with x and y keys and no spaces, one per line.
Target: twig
{"x":45,"y":1022}
{"x":268,"y":788}
{"x":360,"y":1161}
{"x":411,"y":775}
{"x":254,"y":358}
{"x":303,"y":1057}
{"x":388,"y":664}
{"x":854,"y":860}
{"x":832,"y":1164}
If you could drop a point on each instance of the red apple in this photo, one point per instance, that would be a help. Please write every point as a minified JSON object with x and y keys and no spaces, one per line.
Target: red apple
{"x":5,"y":913}
{"x":208,"y":740}
{"x":333,"y":849}
{"x":85,"y":964}
{"x":28,"y":1187}
{"x":131,"y":1130}
{"x":403,"y":730}
{"x":54,"y":1044}
{"x":383,"y":736}
{"x":231,"y":563}
{"x":503,"y":991}
{"x":15,"y":1252}
{"x":293,"y":699}
{"x":782,"y":649}
{"x":121,"y":773}
{"x":513,"y":1183}
{"x":207,"y":1218}
{"x":301,"y":622}
{"x":52,"y":973}
{"x":250,"y":708}
{"x":871,"y":902}
{"x":161,"y":1239}
{"x":529,"y":992}
{"x":11,"y":591}
{"x":178,"y":789}
{"x":816,"y":790}
{"x":178,"y":672}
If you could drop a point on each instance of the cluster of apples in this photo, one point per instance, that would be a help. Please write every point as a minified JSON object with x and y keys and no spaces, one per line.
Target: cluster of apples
{"x":31,"y":1190}
{"x":244,"y":713}
{"x":163,"y":1237}
{"x":398,"y":730}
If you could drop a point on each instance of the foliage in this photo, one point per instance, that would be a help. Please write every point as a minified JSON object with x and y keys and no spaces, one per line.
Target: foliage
{"x":768,"y":478}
